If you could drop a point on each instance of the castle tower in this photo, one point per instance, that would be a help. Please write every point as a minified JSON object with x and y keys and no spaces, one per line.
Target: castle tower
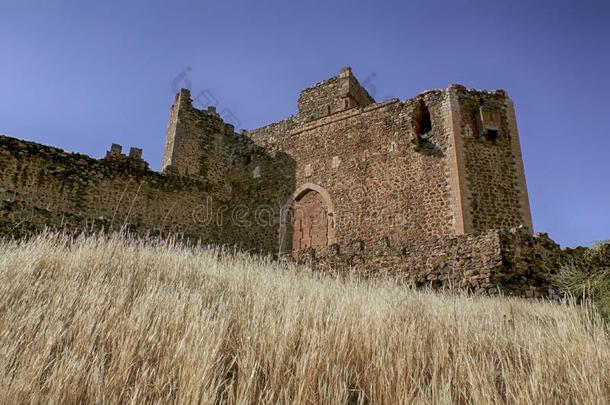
{"x":196,"y":141}
{"x":486,"y":172}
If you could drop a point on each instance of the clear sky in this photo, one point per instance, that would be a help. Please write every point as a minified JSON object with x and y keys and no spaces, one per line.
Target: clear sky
{"x":82,"y":75}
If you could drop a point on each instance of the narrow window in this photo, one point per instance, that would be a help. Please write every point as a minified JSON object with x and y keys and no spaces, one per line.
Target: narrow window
{"x":491,"y":134}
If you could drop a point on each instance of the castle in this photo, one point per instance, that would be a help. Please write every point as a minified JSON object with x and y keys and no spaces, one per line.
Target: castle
{"x":432,"y":187}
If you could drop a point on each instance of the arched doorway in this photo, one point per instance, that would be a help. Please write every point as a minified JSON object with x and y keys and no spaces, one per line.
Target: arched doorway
{"x":307,"y":220}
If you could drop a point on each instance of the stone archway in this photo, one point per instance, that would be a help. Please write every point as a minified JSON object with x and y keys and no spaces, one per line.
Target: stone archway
{"x":307,"y":220}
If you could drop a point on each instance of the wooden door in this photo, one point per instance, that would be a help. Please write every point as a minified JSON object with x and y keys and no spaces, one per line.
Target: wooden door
{"x":310,"y":223}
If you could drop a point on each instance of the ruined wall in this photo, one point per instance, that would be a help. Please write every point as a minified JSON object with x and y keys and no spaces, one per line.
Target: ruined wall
{"x":251,"y":182}
{"x":510,"y":261}
{"x":198,"y":142}
{"x":114,"y":191}
{"x":469,"y":262}
{"x":44,"y":186}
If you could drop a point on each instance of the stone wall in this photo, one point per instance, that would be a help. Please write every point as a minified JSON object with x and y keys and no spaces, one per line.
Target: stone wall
{"x":510,"y":261}
{"x":386,"y":179}
{"x":251,"y":182}
{"x":44,"y":186}
{"x":330,"y":96}
{"x":381,"y":184}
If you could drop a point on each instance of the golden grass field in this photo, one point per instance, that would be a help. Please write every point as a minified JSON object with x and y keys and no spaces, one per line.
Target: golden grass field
{"x":99,"y":320}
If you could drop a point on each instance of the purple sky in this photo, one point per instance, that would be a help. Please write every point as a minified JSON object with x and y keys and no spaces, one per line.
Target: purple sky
{"x":84,"y":76}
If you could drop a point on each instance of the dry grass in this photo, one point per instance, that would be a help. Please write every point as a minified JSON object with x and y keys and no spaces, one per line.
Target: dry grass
{"x":95,"y":320}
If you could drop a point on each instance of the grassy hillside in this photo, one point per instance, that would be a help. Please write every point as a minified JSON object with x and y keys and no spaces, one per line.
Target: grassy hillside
{"x":117,"y":321}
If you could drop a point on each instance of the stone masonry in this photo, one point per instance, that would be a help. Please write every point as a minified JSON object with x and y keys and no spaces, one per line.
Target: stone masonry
{"x":425,"y":187}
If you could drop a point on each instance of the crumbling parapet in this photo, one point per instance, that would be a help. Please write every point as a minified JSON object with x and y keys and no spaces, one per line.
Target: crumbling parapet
{"x":134,"y":157}
{"x":115,"y":152}
{"x":135,"y":153}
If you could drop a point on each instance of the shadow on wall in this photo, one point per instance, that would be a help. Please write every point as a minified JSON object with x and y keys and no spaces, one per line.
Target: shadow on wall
{"x":260,"y":186}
